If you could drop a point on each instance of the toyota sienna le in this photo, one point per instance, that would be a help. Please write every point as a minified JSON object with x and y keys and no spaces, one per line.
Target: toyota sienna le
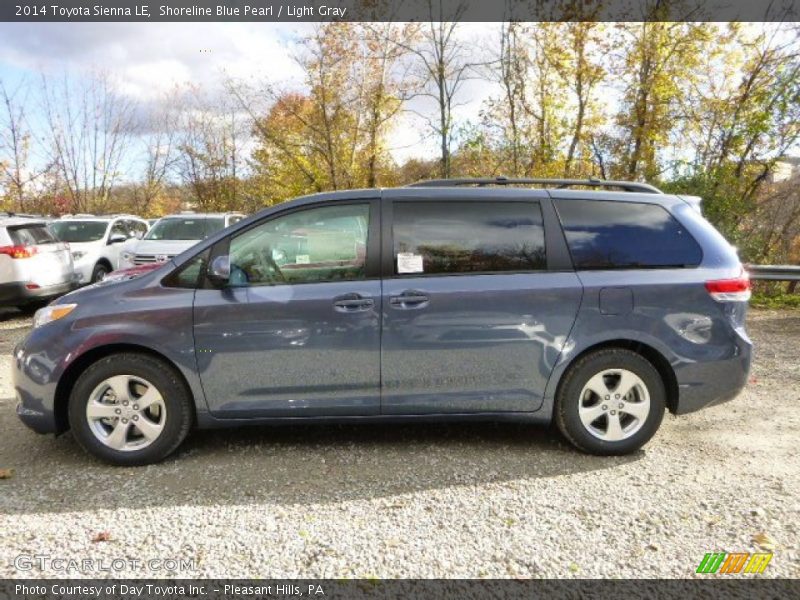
{"x":595,"y":304}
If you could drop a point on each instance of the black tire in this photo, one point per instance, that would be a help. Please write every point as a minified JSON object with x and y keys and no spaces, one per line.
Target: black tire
{"x":568,"y":399}
{"x":33,"y":306}
{"x":99,"y":272}
{"x":177,"y":400}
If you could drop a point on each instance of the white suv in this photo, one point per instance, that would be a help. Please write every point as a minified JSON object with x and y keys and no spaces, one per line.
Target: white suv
{"x":95,"y":242}
{"x":34,"y":265}
{"x":172,"y":235}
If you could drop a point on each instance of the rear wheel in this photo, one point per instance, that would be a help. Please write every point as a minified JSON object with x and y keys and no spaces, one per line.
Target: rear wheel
{"x":130,"y":409}
{"x":610,"y":402}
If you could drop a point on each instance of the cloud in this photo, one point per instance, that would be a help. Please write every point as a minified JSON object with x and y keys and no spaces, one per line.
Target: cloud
{"x":146,"y":60}
{"x":151,"y":58}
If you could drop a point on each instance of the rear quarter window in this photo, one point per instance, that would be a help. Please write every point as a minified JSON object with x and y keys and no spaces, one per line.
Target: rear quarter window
{"x":625,"y":235}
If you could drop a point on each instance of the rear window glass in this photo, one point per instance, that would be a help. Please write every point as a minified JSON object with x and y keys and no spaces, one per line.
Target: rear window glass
{"x":625,"y":235}
{"x":31,"y":235}
{"x":464,"y":237}
{"x":188,"y":228}
{"x":79,"y":231}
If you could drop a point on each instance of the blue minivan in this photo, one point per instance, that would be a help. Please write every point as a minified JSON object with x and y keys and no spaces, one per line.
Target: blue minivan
{"x":595,"y":304}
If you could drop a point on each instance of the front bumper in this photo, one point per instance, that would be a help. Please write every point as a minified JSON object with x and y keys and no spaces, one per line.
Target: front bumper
{"x":34,"y":377}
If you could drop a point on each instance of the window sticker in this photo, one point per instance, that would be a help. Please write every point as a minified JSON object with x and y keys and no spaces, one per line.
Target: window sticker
{"x":408,"y":262}
{"x":302,"y":259}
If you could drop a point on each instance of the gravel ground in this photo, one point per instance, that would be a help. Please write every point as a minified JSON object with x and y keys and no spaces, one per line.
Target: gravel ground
{"x":471,"y":500}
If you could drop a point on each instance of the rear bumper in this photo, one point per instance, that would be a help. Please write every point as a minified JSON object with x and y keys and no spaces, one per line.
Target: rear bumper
{"x":704,"y":384}
{"x":17,"y":293}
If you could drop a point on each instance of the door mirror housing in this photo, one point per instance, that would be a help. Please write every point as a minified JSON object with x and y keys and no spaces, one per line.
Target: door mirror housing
{"x":219,"y":271}
{"x":116,"y":238}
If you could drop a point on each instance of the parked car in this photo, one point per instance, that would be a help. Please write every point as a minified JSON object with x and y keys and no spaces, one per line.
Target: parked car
{"x":95,"y":241}
{"x":173,"y":234}
{"x":34,"y":265}
{"x":454,"y":299}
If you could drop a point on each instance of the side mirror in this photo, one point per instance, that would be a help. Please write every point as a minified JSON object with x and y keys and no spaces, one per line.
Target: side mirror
{"x":116,"y":238}
{"x":219,"y":271}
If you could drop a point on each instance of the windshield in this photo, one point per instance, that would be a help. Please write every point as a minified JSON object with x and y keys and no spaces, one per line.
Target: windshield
{"x":184,"y":228}
{"x":79,"y":231}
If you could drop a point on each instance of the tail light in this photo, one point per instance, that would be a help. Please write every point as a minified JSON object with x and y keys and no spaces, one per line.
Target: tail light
{"x":18,"y":251}
{"x":730,"y":290}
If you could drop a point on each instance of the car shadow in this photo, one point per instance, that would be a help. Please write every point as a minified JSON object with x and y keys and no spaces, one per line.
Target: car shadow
{"x":297,"y":464}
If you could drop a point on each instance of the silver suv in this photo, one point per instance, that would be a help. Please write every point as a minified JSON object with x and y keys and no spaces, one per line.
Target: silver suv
{"x":173,"y":234}
{"x":34,"y":265}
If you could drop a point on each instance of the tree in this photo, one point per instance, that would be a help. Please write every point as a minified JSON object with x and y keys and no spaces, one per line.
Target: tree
{"x":19,"y":173}
{"x":90,"y":128}
{"x":210,"y":157}
{"x":332,"y":134}
{"x":442,"y":68}
{"x":160,"y":141}
{"x":659,"y":61}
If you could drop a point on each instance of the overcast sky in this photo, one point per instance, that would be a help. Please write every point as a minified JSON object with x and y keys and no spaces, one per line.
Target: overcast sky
{"x":147,"y":59}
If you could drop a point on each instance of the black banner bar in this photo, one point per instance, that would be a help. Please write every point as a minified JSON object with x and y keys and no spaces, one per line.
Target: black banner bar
{"x":396,"y":10}
{"x":715,"y":586}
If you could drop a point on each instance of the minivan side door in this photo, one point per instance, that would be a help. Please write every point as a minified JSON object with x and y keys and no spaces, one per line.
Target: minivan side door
{"x":478,"y":300}
{"x":296,"y":329}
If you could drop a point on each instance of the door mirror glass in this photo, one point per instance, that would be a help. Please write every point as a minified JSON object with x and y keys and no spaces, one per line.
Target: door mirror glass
{"x":220,"y":269}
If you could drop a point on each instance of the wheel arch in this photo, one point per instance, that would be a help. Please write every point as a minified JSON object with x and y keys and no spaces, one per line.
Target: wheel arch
{"x":105,"y":262}
{"x":651,"y":354}
{"x":67,"y":380}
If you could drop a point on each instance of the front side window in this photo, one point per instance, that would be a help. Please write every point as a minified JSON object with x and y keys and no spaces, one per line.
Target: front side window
{"x":468,"y":237}
{"x":120,"y":228}
{"x":328,"y":243}
{"x":75,"y":232}
{"x":625,"y":235}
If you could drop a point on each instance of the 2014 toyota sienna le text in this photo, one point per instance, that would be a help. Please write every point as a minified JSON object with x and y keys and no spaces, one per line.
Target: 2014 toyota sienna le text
{"x":595,"y":304}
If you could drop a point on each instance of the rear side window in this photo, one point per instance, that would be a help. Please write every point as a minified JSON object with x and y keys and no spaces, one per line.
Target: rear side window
{"x":625,"y":235}
{"x":31,"y":235}
{"x":468,"y":237}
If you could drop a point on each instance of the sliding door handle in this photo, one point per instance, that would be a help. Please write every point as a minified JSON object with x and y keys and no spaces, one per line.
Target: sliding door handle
{"x":409,"y":299}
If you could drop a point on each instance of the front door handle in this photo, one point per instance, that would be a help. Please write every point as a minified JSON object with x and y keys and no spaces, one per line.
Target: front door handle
{"x":352,"y":303}
{"x":409,"y":299}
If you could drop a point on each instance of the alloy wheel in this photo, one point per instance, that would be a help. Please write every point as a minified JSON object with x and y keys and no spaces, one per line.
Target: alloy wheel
{"x":614,"y":404}
{"x":126,"y":413}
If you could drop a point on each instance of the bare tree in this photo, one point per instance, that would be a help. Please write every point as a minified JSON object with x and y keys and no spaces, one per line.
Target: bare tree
{"x":91,"y":127}
{"x":443,"y":68}
{"x":17,"y":168}
{"x":159,"y":132}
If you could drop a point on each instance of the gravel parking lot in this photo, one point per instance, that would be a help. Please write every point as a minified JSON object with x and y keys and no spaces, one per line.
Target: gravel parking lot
{"x":486,"y":500}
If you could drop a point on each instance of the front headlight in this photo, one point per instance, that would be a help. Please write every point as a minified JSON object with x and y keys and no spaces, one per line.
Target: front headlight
{"x":78,"y":254}
{"x":126,"y":255}
{"x":52,"y":313}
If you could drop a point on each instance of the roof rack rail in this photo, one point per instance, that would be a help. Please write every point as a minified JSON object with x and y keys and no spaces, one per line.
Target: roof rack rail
{"x":628,"y":186}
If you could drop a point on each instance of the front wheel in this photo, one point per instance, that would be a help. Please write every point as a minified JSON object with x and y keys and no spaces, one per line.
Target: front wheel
{"x":99,"y":272}
{"x":610,"y":402}
{"x":130,"y":409}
